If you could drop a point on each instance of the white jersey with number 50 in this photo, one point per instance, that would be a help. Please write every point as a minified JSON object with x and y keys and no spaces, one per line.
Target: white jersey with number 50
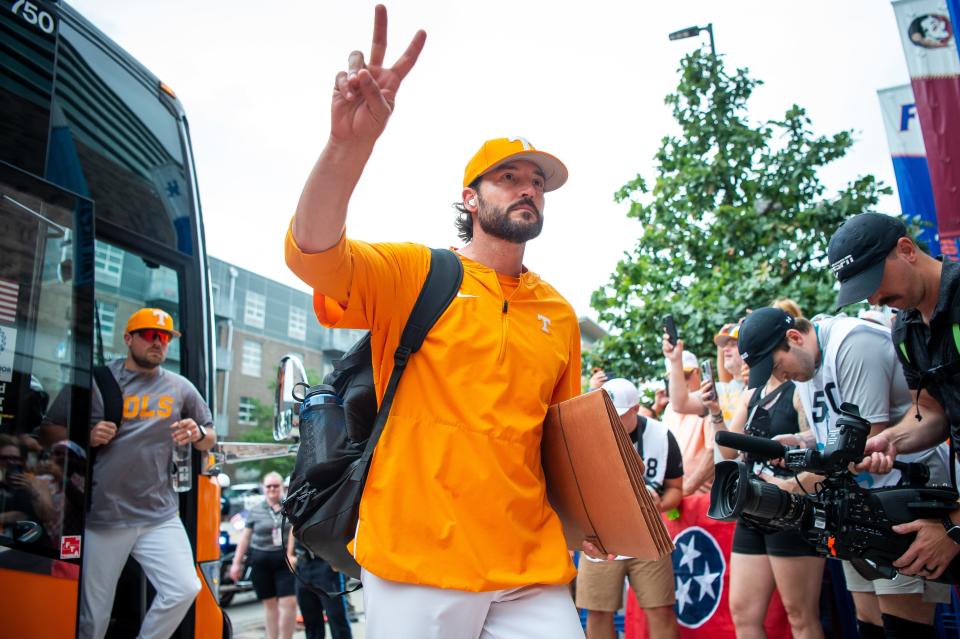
{"x":859,"y":366}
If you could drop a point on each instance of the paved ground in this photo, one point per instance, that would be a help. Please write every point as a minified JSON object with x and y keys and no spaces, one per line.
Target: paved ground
{"x":246,"y":615}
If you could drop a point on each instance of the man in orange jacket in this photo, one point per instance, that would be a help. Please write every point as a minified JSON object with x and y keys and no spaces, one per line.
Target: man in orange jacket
{"x":455,"y":537}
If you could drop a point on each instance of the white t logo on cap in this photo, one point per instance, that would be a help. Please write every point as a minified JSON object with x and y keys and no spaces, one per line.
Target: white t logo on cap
{"x":161,"y":316}
{"x":523,"y":141}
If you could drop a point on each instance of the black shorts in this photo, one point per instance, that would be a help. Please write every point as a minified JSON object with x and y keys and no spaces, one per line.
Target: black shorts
{"x":270,"y":575}
{"x":786,"y":543}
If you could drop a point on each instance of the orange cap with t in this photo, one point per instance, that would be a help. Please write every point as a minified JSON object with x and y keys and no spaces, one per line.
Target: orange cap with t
{"x":495,"y":152}
{"x":151,"y":318}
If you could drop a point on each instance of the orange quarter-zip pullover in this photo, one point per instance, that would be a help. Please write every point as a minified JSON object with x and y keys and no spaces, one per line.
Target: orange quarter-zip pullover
{"x":456,"y":496}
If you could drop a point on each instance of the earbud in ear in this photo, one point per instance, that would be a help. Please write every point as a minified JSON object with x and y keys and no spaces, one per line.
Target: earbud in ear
{"x":472,"y":201}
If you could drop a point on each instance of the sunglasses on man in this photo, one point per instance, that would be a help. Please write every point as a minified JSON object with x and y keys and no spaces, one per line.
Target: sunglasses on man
{"x":151,"y":334}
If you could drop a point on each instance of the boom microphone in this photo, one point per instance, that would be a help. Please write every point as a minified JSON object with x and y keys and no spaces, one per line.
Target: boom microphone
{"x":756,"y":446}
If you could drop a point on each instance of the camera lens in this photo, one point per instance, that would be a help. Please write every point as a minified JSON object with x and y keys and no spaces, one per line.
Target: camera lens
{"x":736,"y":492}
{"x":766,"y":501}
{"x":725,"y":496}
{"x":728,"y":494}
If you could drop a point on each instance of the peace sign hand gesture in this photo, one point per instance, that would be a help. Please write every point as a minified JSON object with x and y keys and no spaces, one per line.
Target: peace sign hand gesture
{"x":365,"y":94}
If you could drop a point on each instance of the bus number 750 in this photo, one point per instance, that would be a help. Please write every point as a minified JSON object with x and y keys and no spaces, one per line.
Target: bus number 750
{"x":33,"y":15}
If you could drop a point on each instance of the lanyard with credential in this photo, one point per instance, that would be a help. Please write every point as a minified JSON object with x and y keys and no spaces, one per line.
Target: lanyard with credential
{"x":277,"y":532}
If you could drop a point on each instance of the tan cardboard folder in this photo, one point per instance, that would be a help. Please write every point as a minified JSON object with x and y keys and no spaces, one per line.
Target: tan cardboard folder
{"x":595,"y":480}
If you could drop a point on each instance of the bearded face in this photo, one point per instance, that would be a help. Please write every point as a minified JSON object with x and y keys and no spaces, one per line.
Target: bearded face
{"x":146,"y":354}
{"x":517,"y":222}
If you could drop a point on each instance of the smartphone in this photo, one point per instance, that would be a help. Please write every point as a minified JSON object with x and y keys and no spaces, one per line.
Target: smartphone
{"x":671,"y":328}
{"x":706,"y":372}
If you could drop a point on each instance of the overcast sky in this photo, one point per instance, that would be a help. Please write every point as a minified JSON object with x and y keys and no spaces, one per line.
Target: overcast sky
{"x":584,"y":81}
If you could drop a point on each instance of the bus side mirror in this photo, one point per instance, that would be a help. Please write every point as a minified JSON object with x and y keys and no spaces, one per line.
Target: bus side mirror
{"x":290,"y":372}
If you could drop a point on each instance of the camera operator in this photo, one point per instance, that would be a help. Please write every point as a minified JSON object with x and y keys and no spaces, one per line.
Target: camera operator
{"x":834,"y":360}
{"x":874,"y":259}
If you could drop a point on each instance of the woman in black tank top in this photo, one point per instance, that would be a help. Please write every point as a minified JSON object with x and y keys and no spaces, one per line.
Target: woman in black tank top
{"x":784,"y":417}
{"x":761,"y":561}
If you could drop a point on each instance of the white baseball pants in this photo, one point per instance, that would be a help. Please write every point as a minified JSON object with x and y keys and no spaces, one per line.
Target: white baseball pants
{"x":163,"y":551}
{"x":409,"y":611}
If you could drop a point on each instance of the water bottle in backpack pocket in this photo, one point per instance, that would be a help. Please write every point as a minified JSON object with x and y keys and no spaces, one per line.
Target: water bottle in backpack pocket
{"x":327,"y":483}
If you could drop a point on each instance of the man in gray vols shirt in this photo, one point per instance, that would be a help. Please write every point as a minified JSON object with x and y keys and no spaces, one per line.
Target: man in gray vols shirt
{"x":134,"y":507}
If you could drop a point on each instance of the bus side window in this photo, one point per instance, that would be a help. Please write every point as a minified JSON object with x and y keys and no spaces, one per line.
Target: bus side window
{"x":38,"y":329}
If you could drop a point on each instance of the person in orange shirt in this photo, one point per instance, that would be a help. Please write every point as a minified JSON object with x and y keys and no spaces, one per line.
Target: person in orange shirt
{"x":455,"y":535}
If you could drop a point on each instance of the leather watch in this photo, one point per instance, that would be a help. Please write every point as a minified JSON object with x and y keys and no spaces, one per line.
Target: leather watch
{"x":203,"y":435}
{"x":953,"y":530}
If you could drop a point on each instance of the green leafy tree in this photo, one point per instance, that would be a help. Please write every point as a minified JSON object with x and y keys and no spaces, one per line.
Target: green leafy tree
{"x":735,"y":217}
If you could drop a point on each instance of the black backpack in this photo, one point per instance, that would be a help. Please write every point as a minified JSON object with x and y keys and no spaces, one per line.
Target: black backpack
{"x":338,"y":440}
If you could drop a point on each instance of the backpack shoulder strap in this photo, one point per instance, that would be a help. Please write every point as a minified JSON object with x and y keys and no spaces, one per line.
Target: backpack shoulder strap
{"x":111,"y":393}
{"x":112,"y":412}
{"x":439,"y":289}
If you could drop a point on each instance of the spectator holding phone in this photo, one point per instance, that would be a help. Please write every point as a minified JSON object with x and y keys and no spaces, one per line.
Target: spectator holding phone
{"x":688,"y":415}
{"x":726,"y":393}
{"x":690,"y":427}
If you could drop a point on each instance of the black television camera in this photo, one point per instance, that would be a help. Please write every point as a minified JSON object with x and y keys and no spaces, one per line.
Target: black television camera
{"x":842,"y":519}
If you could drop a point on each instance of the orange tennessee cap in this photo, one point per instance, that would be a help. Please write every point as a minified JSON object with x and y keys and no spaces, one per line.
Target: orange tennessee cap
{"x":495,"y":152}
{"x":151,"y":318}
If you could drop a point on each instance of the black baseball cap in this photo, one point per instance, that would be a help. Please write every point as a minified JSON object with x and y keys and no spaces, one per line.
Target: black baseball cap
{"x":760,"y":334}
{"x":858,"y":251}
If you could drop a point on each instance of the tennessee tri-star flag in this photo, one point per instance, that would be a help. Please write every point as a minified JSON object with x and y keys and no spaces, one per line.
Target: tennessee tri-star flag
{"x":701,"y":576}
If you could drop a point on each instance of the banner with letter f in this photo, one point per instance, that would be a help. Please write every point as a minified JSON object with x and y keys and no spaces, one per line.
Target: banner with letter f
{"x":909,"y":157}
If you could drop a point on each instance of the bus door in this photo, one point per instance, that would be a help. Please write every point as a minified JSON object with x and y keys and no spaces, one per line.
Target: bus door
{"x":46,"y":311}
{"x":132,"y":272}
{"x":125,"y":281}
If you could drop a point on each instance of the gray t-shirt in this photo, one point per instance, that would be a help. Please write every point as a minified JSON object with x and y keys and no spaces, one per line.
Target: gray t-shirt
{"x":263,"y":520}
{"x":869,"y":375}
{"x":132,"y":482}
